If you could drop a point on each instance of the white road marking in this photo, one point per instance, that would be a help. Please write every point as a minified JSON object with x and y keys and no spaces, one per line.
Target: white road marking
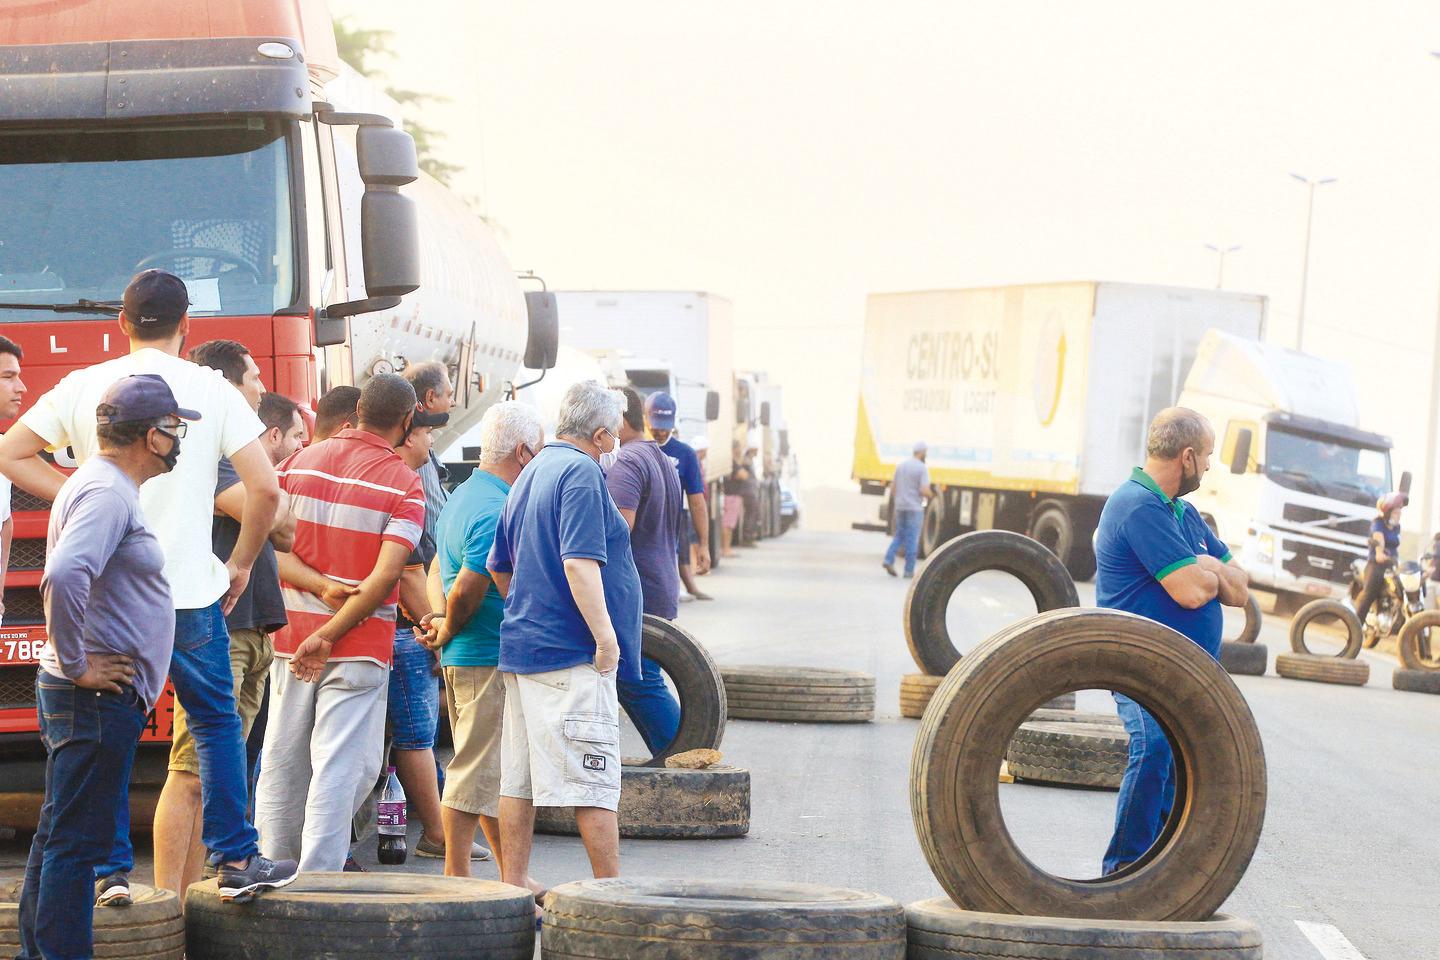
{"x":1328,"y":939}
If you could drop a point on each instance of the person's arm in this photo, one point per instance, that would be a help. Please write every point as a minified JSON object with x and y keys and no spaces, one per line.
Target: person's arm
{"x":629,"y":516}
{"x":262,"y":497}
{"x":20,"y":460}
{"x":1191,"y":586}
{"x":1232,"y":583}
{"x":700,"y":519}
{"x":501,"y":579}
{"x":7,"y":533}
{"x":465,"y":596}
{"x":1152,"y":532}
{"x":302,"y":576}
{"x":414,"y":597}
{"x":1378,"y":538}
{"x":231,"y":502}
{"x":626,"y":485}
{"x":583,"y":576}
{"x":314,"y":651}
{"x":435,"y":587}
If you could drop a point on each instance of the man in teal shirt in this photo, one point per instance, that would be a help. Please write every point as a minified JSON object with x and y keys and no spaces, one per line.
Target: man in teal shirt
{"x":467,"y":634}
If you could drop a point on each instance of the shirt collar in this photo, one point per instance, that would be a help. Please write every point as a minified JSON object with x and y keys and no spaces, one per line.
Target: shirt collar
{"x":364,"y":436}
{"x":1176,"y":505}
{"x":485,"y":476}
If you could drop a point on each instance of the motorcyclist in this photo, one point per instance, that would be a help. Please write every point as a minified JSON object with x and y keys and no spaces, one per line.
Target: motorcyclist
{"x":1384,"y":545}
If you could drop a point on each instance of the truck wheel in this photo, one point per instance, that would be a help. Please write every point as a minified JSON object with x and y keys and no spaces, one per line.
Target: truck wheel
{"x":1416,"y":681}
{"x":151,"y":928}
{"x":364,"y":916}
{"x":1220,"y":764}
{"x":1329,"y":610}
{"x":1023,"y":558}
{"x":1075,"y":754}
{"x":1046,"y":715}
{"x":1050,"y":525}
{"x":936,"y":527}
{"x":799,"y":694}
{"x":1254,"y":620}
{"x":1419,"y":640}
{"x":622,"y":918}
{"x":939,"y":930}
{"x":1307,"y":666}
{"x":659,"y":803}
{"x":697,"y":683}
{"x":1249,"y":659}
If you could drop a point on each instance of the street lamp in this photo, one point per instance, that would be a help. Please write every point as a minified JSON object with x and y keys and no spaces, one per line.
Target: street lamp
{"x":1311,"y":184}
{"x":1220,"y":276}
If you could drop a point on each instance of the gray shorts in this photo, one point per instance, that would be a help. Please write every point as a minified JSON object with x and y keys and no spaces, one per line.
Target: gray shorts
{"x":560,"y":742}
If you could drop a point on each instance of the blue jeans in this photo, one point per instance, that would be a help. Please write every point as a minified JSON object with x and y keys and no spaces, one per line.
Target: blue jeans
{"x":1147,"y":791}
{"x":90,"y":739}
{"x":201,"y":674}
{"x":651,"y":706}
{"x":907,"y":536}
{"x":414,"y":698}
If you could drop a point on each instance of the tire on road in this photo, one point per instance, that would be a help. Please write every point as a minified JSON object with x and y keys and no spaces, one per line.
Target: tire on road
{"x":364,"y":916}
{"x":1254,"y":620}
{"x":1049,"y":583}
{"x":1072,"y":716}
{"x":1408,"y":647}
{"x":939,"y":930}
{"x":659,"y":803}
{"x":697,"y":683}
{"x":1220,"y":762}
{"x":621,"y":919}
{"x":798,"y":694}
{"x":916,"y":689}
{"x":151,"y":928}
{"x":1308,"y":666}
{"x":1333,"y":609}
{"x":1416,"y":681}
{"x":1249,"y":659}
{"x":1071,"y":754}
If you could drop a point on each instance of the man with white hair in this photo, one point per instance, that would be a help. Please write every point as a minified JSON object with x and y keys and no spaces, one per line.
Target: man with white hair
{"x":466,"y":630}
{"x":572,"y":624}
{"x":912,"y":491}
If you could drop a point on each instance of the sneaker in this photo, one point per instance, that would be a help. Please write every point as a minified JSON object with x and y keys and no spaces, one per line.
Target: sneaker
{"x":435,"y":849}
{"x":889,"y":568}
{"x":258,"y":875}
{"x":701,"y":595}
{"x":113,"y":891}
{"x":353,"y":866}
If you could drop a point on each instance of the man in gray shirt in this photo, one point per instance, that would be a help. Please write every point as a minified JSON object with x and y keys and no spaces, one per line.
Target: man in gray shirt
{"x":911,"y":487}
{"x":111,"y":622}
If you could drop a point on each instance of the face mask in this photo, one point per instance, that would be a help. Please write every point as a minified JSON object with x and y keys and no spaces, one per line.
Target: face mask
{"x":607,"y":460}
{"x":169,"y":459}
{"x":1189,"y":482}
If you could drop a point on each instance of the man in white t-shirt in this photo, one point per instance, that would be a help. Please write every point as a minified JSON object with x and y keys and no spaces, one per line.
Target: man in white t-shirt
{"x":178,"y":508}
{"x":12,"y":392}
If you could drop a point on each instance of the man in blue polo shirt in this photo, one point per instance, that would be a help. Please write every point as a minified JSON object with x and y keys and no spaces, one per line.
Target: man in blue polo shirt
{"x":1157,"y":558}
{"x":562,"y":561}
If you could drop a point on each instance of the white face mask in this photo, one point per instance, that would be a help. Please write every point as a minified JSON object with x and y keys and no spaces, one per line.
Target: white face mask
{"x":607,"y":460}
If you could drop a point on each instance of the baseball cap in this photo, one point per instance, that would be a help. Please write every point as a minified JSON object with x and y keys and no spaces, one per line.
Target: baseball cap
{"x":920,"y":446}
{"x":156,"y":297}
{"x":141,"y":396}
{"x":660,"y":410}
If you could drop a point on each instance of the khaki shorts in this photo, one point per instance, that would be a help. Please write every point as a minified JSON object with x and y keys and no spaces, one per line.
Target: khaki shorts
{"x":561,"y":738}
{"x":250,"y":654}
{"x":475,"y":701}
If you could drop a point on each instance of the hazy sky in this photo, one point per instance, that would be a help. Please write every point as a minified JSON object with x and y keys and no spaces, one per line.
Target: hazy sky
{"x":794,"y":156}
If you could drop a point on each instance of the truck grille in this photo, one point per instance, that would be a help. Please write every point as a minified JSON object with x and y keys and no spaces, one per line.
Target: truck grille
{"x":1325,"y":520}
{"x":1318,"y":562}
{"x":28,"y":554}
{"x":23,"y":607}
{"x":20,"y":500}
{"x":17,"y":687}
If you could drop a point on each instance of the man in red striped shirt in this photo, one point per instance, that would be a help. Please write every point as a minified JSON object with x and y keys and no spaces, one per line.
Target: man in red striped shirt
{"x":359,"y":511}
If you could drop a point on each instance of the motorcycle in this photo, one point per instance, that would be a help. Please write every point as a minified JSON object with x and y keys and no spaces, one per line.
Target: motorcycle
{"x":1400,"y":599}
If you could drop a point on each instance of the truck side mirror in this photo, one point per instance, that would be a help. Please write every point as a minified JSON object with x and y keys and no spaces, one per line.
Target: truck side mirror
{"x":784,"y":444}
{"x":712,"y":405}
{"x":543,"y":343}
{"x":1240,"y":456}
{"x":1405,"y":479}
{"x":765,"y":413}
{"x":386,"y":156}
{"x":390,"y":234}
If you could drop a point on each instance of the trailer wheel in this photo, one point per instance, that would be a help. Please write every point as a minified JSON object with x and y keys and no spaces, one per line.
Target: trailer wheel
{"x":1327,"y":609}
{"x":936,"y":527}
{"x":1029,"y":562}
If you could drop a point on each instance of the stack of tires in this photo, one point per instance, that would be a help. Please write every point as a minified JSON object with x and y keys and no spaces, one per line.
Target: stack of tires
{"x":1344,"y":667}
{"x":1419,"y":659}
{"x":799,"y":694}
{"x":1001,"y":904}
{"x":1244,"y":655}
{"x":151,"y":928}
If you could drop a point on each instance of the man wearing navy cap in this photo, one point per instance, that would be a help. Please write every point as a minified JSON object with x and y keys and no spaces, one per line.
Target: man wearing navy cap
{"x":695,"y":515}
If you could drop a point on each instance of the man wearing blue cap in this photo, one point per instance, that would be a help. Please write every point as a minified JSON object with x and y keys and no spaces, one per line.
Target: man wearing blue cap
{"x":695,"y":515}
{"x":105,"y":663}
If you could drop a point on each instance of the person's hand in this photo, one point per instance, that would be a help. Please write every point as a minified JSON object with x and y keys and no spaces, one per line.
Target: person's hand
{"x":105,"y":671}
{"x":607,"y":654}
{"x":239,"y":580}
{"x":1209,"y":563}
{"x":310,"y":657}
{"x":334,"y":593}
{"x":434,"y":631}
{"x":702,"y":560}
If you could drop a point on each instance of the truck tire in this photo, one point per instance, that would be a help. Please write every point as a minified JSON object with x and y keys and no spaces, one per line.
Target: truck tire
{"x":1249,"y":659}
{"x":939,"y":930}
{"x":1330,"y":609}
{"x":622,"y":919}
{"x":936,"y":526}
{"x":151,"y":928}
{"x":1418,"y":643}
{"x":1307,"y":666}
{"x":1066,"y":701}
{"x":1254,"y":620}
{"x":799,"y":694}
{"x":1220,"y":762}
{"x":660,"y":803}
{"x":916,"y":689}
{"x":1075,"y":754}
{"x":1416,"y":681}
{"x":364,"y":916}
{"x":1046,"y":715}
{"x":697,"y":684}
{"x":1045,"y":576}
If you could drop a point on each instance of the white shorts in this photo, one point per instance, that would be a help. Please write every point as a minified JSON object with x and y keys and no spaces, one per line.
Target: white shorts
{"x":561,"y":738}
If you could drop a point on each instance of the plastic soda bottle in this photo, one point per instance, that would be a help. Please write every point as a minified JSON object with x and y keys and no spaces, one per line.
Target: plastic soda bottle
{"x":390,"y":820}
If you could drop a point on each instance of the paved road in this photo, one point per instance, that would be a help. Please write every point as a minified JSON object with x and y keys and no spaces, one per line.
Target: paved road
{"x":1349,"y":838}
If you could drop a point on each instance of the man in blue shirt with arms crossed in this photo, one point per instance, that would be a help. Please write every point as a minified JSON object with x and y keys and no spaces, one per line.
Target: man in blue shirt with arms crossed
{"x":1157,"y":558}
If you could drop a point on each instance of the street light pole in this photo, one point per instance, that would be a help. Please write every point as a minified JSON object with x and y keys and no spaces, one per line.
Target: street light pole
{"x":1220,"y":276}
{"x":1427,"y":485}
{"x":1305,"y":266}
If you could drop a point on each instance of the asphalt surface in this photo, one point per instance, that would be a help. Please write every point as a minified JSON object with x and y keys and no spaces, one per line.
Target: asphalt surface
{"x":1350,"y":832}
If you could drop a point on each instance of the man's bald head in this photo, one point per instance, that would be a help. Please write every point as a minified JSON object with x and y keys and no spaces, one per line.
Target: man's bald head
{"x":1175,"y":429}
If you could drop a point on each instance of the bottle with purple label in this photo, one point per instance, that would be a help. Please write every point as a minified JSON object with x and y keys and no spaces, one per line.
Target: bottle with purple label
{"x":390,"y":820}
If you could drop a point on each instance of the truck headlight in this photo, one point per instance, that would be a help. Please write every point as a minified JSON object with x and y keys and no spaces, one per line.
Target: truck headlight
{"x":1265,"y":547}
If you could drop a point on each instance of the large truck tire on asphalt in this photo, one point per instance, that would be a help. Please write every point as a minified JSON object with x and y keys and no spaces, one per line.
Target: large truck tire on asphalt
{"x":1218,"y":812}
{"x":1418,"y":641}
{"x":697,"y":682}
{"x":799,"y":694}
{"x":1248,"y":659}
{"x":1254,"y":621}
{"x":1308,"y":666}
{"x":661,"y":803}
{"x":1327,"y":610}
{"x":1072,"y":754}
{"x":926,"y":632}
{"x":626,"y":919}
{"x":939,"y":930}
{"x":151,"y":928}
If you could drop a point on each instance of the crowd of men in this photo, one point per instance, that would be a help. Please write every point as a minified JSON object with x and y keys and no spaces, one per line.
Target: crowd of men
{"x":298,"y":593}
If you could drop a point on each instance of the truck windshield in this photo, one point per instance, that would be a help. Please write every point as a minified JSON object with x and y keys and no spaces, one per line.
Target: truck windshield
{"x":1326,"y":466}
{"x":82,"y":211}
